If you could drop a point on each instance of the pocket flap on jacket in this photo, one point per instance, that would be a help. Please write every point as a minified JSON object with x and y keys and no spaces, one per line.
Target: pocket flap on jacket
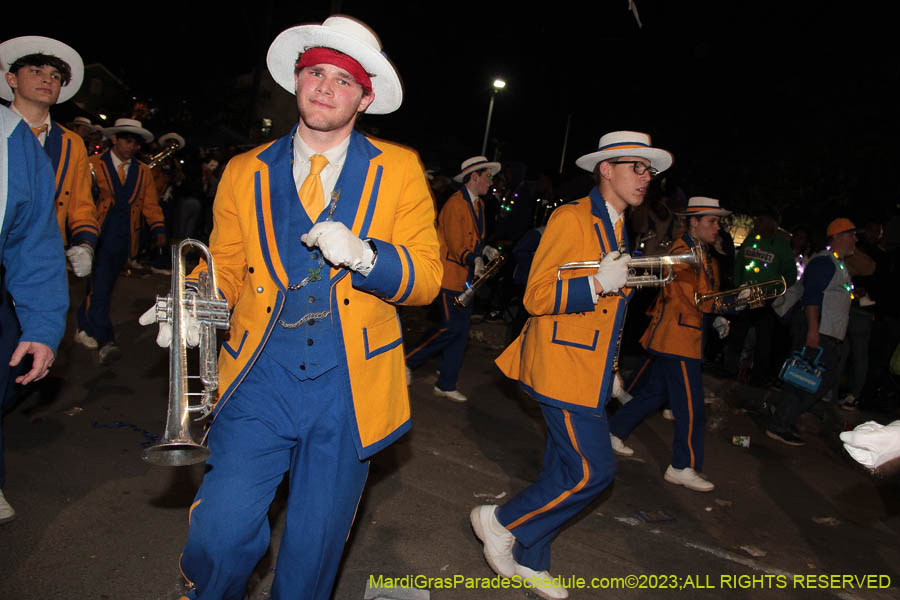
{"x":382,"y":337}
{"x":574,"y":336}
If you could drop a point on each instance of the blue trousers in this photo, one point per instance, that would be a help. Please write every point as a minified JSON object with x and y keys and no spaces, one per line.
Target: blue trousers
{"x":9,"y":339}
{"x":451,"y":338}
{"x":678,"y":382}
{"x":275,"y":424}
{"x":578,"y":465}
{"x":109,"y":259}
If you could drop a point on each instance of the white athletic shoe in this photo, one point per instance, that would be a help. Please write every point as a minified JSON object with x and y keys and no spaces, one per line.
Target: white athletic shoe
{"x":542,"y":583}
{"x":8,"y":514}
{"x":689,"y":478}
{"x":498,"y":541}
{"x":667,"y":414}
{"x":81,"y":337}
{"x":454,"y":395}
{"x":619,"y":446}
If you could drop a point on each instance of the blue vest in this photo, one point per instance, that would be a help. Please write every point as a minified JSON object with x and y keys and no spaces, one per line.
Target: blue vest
{"x":307,"y":350}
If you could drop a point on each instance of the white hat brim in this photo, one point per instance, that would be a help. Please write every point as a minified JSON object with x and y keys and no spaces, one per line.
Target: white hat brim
{"x":493,"y":166}
{"x":172,"y":136}
{"x":148,"y":137}
{"x":14,"y":49}
{"x":659,"y":159}
{"x":284,"y":51}
{"x":718,"y":212}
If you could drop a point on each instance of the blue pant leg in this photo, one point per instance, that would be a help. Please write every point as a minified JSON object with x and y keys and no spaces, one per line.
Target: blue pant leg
{"x":684,"y":381}
{"x":639,"y":376}
{"x":650,"y":396}
{"x":9,"y":339}
{"x":450,"y":338}
{"x":326,"y":482}
{"x":251,"y":441}
{"x":93,"y":315}
{"x":579,"y":468}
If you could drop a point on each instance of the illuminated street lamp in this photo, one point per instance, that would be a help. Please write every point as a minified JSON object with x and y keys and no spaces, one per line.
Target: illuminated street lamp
{"x":499,"y":84}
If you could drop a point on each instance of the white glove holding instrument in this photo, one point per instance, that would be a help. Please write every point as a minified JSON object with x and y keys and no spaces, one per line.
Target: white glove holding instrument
{"x":340,"y":246}
{"x":722,"y":326}
{"x":490,"y":253}
{"x":613,"y":272}
{"x":479,"y":266}
{"x":164,"y":337}
{"x":872,"y":444}
{"x":81,"y":257}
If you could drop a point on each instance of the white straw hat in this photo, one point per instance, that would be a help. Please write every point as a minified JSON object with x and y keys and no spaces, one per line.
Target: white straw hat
{"x":476,"y":163}
{"x":14,"y":49}
{"x":128,"y":126}
{"x":626,"y":143}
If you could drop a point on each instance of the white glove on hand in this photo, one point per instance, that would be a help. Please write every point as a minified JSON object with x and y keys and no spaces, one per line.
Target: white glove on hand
{"x":340,"y":246}
{"x":618,"y":390}
{"x":81,"y":257}
{"x":164,"y":337}
{"x":872,"y":444}
{"x":722,"y":327}
{"x":613,"y":272}
{"x":479,"y":266}
{"x":490,"y":253}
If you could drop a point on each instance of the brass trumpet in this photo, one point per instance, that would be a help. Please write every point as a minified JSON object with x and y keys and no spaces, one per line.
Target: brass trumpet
{"x":177,"y":447}
{"x":644,"y":271}
{"x":171,"y":147}
{"x":756,"y":295}
{"x":490,"y":270}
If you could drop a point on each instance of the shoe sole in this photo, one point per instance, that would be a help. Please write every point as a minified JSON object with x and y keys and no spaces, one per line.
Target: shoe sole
{"x":620,"y":453}
{"x":7,"y":519}
{"x":475,"y":521}
{"x":686,"y":486}
{"x":778,"y":438}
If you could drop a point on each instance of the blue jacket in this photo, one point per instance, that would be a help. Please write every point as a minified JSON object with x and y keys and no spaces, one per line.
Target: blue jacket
{"x":31,"y":248}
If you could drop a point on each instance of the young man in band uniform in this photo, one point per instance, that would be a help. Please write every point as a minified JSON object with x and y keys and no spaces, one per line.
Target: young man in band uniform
{"x":564,"y":357}
{"x":461,"y":225}
{"x":127,"y":192}
{"x":674,"y":343}
{"x":317,"y":237}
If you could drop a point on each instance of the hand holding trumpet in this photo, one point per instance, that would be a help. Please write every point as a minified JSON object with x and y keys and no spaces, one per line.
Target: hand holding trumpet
{"x":612,"y":273}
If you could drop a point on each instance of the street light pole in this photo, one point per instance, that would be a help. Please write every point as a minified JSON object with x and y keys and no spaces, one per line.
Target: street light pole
{"x":499,"y":84}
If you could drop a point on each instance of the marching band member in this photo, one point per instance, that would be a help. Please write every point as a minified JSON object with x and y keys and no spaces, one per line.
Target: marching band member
{"x":461,"y":226}
{"x":673,"y":340}
{"x":312,"y":370}
{"x":34,"y":272}
{"x":563,"y":358}
{"x":126,"y":192}
{"x":39,"y":72}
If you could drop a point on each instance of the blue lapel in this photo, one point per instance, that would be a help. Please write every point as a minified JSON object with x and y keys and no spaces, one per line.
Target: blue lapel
{"x":279,"y":158}
{"x":53,"y":146}
{"x":477,"y":217}
{"x":599,"y":210}
{"x":121,"y":192}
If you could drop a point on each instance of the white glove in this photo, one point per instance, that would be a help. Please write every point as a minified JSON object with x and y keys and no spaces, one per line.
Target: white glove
{"x":164,"y":337}
{"x":81,"y":257}
{"x":722,"y":327}
{"x":872,"y":444}
{"x":490,"y":253}
{"x":340,"y":246}
{"x":613,"y":271}
{"x":479,"y":266}
{"x":618,"y":391}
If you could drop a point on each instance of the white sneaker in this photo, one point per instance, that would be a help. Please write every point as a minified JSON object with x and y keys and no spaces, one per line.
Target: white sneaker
{"x":542,"y":583}
{"x":619,"y":446}
{"x":689,"y":478}
{"x":8,"y":514}
{"x":454,"y":395}
{"x":408,"y":376}
{"x":109,"y":353}
{"x":81,"y":337}
{"x":498,"y":541}
{"x":667,"y":414}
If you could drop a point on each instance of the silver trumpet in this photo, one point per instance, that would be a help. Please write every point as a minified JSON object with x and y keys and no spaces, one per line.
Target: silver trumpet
{"x":644,"y":271}
{"x":177,"y":447}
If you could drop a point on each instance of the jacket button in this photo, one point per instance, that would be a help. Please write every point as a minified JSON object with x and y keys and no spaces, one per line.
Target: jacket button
{"x":604,"y":311}
{"x":268,"y":309}
{"x":346,"y":301}
{"x":259,"y":290}
{"x":250,"y":269}
{"x":60,"y":203}
{"x":302,"y":367}
{"x":315,"y":255}
{"x":312,"y":299}
{"x":309,"y":342}
{"x":312,"y":322}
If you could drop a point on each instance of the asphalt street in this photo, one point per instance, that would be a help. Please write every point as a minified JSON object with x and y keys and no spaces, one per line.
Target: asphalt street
{"x":95,"y":521}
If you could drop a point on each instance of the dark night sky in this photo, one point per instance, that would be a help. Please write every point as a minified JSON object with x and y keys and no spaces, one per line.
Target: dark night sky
{"x":787,"y":103}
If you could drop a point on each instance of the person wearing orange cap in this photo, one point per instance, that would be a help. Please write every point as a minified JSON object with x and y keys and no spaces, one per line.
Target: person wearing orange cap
{"x":825,"y":294}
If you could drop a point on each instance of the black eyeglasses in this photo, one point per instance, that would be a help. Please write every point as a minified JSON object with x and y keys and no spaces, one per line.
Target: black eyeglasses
{"x":637,"y":166}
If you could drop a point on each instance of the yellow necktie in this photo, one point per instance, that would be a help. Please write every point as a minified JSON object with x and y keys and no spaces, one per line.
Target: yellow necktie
{"x":312,"y":196}
{"x":37,"y":131}
{"x":122,"y":172}
{"x":618,"y":232}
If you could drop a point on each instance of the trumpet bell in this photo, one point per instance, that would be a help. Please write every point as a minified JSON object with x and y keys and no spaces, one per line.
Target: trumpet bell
{"x":178,"y":453}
